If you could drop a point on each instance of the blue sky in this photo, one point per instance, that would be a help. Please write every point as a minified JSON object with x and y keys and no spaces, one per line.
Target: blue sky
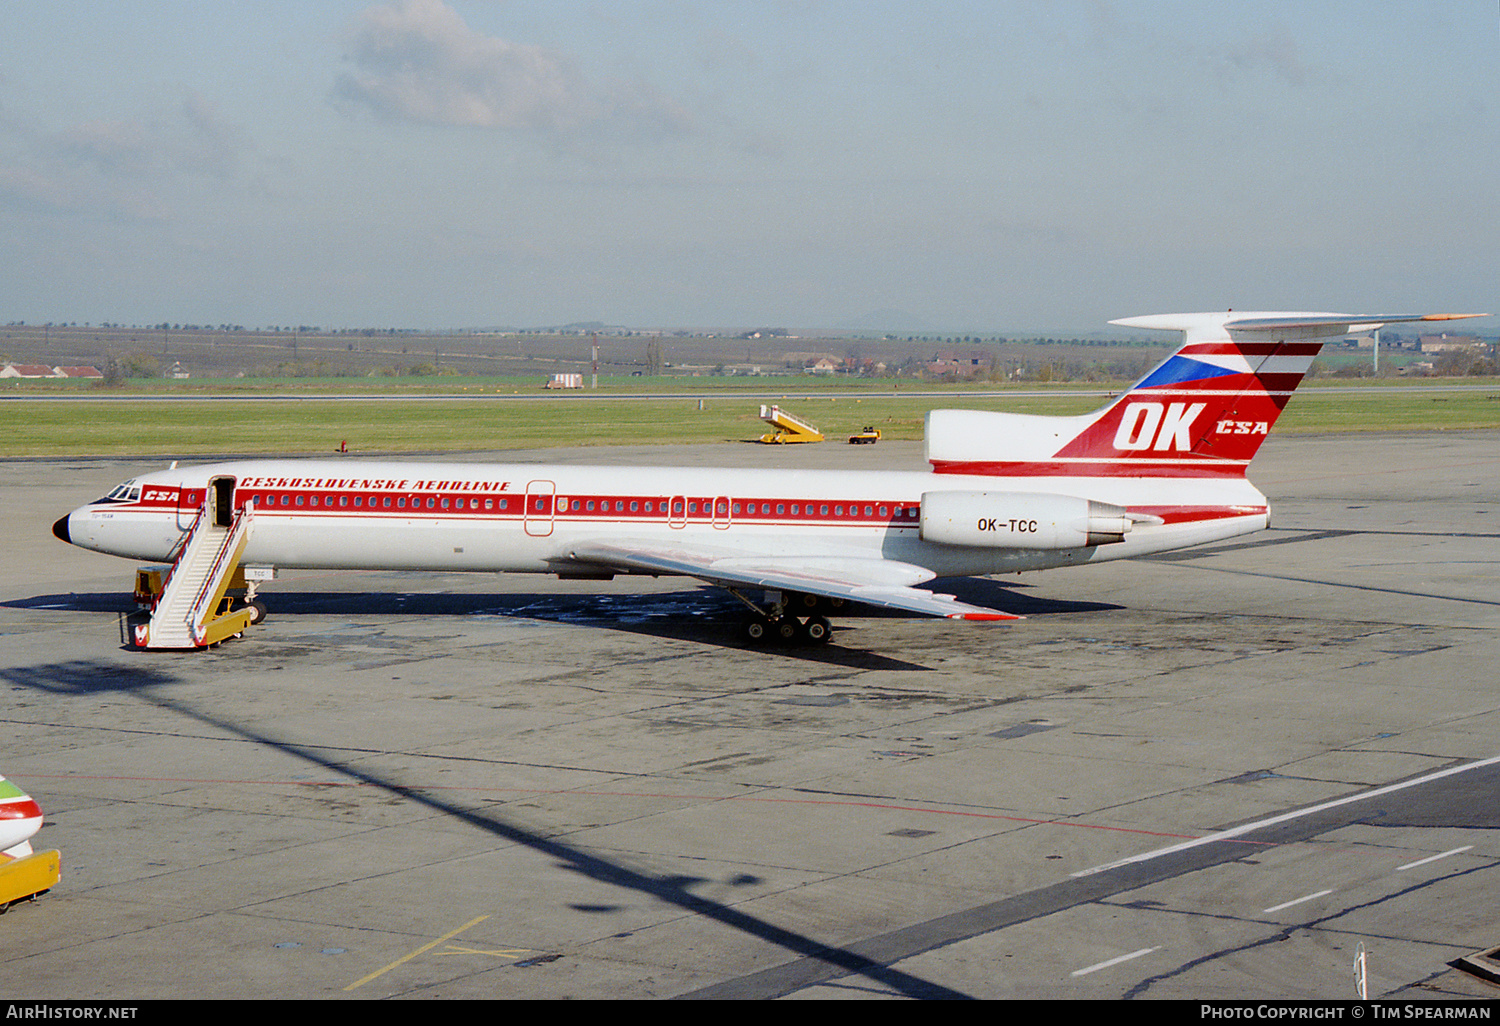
{"x":663,"y":163}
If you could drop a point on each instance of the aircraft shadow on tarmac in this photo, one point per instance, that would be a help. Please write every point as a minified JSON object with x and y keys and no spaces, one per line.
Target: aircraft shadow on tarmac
{"x":702,"y":614}
{"x":152,"y":685}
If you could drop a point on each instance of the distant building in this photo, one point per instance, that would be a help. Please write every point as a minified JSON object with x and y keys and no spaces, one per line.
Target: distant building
{"x":79,"y":372}
{"x":29,"y":370}
{"x":963,"y":365}
{"x":1444,"y":343}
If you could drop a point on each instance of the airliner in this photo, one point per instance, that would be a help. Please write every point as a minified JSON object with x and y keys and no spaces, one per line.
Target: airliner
{"x":1160,"y":467}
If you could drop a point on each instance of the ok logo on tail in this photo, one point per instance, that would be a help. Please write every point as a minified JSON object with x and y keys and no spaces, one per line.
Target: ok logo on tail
{"x":1158,"y":427}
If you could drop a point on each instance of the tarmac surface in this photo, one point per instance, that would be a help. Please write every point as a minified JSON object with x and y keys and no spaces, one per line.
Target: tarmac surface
{"x":1215,"y":774}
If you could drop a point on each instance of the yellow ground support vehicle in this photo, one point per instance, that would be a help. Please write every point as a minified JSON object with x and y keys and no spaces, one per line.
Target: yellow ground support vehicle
{"x":790,"y":428}
{"x":869,"y":436}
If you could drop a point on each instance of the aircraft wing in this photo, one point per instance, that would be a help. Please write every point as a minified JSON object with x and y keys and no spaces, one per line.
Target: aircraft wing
{"x":877,"y":582}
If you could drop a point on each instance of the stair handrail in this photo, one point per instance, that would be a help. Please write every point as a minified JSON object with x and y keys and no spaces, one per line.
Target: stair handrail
{"x":198,"y":611}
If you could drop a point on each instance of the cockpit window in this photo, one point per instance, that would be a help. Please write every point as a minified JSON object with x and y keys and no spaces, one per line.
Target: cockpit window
{"x":127,"y":492}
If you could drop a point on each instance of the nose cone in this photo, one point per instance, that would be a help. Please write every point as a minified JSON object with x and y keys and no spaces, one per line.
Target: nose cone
{"x":60,"y":530}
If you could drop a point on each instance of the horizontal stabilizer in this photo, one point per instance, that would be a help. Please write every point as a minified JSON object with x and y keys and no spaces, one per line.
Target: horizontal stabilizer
{"x":1222,"y":326}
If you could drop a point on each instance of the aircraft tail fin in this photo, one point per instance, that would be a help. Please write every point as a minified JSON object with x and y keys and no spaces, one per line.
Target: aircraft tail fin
{"x":1202,"y":412}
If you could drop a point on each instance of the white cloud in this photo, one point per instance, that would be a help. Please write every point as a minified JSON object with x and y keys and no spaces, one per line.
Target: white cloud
{"x":417,"y":60}
{"x":133,"y":168}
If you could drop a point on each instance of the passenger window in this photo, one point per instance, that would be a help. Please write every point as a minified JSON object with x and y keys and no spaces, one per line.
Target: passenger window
{"x":795,"y":508}
{"x":300,"y":500}
{"x":387,"y":502}
{"x":445,"y":503}
{"x":590,"y":506}
{"x":633,"y":505}
{"x":883,"y":511}
{"x":825,"y":511}
{"x":401,"y":502}
{"x":504,"y":503}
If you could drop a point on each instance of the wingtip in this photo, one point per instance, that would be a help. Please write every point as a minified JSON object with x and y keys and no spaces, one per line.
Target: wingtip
{"x":985,"y":616}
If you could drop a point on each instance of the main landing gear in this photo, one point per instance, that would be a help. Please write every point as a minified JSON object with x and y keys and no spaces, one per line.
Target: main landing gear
{"x":787,"y":622}
{"x":786,"y":630}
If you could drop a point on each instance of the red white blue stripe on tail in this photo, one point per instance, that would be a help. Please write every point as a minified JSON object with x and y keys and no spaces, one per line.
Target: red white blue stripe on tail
{"x":1203,"y":412}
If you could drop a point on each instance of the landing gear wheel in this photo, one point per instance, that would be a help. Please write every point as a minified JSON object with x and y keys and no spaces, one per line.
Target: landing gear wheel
{"x":817,"y":631}
{"x":785,"y":629}
{"x":257,"y":611}
{"x":754,"y":630}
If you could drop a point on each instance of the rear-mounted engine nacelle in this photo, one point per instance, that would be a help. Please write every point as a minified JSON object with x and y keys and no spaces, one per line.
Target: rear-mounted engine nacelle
{"x":1020,"y":520}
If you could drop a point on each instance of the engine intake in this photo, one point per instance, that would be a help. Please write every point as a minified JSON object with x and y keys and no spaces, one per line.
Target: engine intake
{"x":1021,"y":520}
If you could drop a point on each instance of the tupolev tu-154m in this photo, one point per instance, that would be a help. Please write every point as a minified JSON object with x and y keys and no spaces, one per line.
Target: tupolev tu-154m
{"x":1160,"y":467}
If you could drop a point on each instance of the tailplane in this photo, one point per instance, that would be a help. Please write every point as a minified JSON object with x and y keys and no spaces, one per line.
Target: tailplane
{"x":1202,"y":412}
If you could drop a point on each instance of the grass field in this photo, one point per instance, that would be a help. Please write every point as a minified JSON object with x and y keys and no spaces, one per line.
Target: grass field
{"x":313,"y":426}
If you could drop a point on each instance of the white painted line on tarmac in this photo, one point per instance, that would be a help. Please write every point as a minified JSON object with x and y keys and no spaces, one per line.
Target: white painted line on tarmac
{"x":1434,"y":858}
{"x":1225,"y":835}
{"x":1295,"y":901}
{"x":1113,"y":961}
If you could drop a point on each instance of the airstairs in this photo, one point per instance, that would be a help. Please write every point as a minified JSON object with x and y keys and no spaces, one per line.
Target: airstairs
{"x":789,"y":428}
{"x":192,"y":609}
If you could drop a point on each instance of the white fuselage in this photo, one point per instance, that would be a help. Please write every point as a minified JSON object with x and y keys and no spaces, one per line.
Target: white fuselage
{"x":366,"y":514}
